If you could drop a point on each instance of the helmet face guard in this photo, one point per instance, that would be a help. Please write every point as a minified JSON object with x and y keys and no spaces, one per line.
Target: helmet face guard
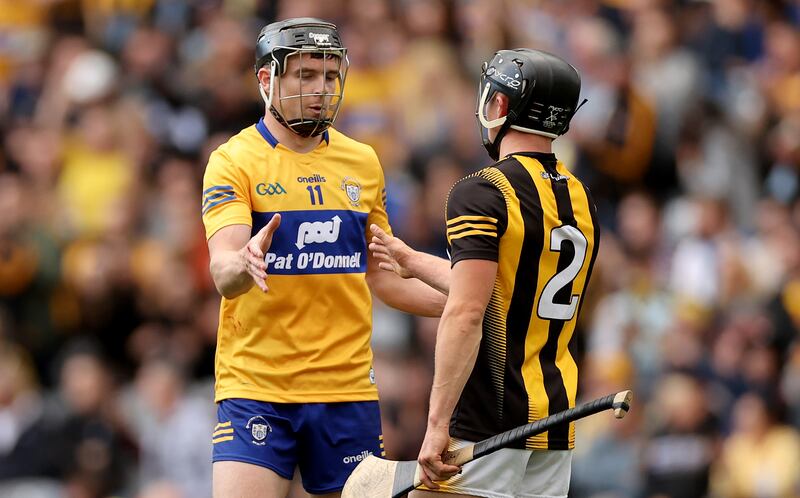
{"x":304,"y":39}
{"x":307,"y":124}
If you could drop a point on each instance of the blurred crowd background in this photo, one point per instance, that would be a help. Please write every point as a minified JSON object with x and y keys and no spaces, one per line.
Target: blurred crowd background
{"x":690,"y":143}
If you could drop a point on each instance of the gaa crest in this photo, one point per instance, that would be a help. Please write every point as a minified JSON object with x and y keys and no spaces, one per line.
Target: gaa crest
{"x":259,"y":429}
{"x":353,"y":190}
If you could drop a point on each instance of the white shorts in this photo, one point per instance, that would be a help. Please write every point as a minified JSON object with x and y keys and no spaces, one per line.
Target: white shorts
{"x":510,"y":473}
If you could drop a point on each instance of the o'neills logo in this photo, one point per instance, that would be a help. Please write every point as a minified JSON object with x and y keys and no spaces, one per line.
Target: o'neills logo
{"x":315,"y":178}
{"x":356,"y":458}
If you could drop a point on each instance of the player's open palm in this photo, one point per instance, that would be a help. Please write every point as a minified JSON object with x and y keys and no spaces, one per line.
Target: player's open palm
{"x":253,"y":253}
{"x":392,"y":253}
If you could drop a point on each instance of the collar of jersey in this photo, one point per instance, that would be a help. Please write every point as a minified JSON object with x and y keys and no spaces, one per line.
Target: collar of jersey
{"x":542,"y":156}
{"x":273,"y":142}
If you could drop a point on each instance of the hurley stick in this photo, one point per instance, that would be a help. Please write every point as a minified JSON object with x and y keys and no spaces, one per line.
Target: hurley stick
{"x":378,"y":478}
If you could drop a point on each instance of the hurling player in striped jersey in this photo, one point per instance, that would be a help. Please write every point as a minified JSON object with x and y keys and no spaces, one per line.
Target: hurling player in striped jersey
{"x":522,"y":237}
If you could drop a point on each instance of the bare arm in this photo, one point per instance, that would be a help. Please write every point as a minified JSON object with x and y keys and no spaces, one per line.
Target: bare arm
{"x":237,"y":261}
{"x":395,"y":256}
{"x":457,"y":344}
{"x":409,"y":295}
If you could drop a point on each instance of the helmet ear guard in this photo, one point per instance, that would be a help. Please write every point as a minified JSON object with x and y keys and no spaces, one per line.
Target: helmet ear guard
{"x":542,"y":90}
{"x":279,"y":41}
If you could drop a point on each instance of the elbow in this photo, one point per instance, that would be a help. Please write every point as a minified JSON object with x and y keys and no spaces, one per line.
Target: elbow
{"x":378,"y":285}
{"x":230,"y":291}
{"x":372,"y":282}
{"x":214,"y":270}
{"x":469,"y":314}
{"x":227,"y":293}
{"x":227,"y":290}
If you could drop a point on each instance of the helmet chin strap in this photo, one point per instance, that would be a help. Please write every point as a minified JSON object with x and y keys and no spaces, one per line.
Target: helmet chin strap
{"x":492,"y":146}
{"x":268,"y":98}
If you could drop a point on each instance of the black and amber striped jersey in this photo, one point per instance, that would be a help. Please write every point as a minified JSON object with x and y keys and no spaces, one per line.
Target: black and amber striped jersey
{"x":533,"y":217}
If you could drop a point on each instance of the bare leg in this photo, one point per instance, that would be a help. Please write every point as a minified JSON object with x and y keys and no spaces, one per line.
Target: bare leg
{"x":244,"y":480}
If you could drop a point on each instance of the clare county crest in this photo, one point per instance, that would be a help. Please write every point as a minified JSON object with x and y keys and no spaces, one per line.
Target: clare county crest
{"x":353,"y":190}
{"x":259,"y":429}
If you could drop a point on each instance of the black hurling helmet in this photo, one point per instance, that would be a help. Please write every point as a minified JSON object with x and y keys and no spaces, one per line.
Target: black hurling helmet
{"x":305,"y":35}
{"x":542,"y":90}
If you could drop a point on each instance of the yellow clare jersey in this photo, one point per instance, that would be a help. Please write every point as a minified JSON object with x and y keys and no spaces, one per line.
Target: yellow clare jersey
{"x":308,"y":338}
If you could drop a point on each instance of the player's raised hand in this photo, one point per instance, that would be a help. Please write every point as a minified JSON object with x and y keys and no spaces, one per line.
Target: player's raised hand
{"x":392,"y":253}
{"x":253,"y":253}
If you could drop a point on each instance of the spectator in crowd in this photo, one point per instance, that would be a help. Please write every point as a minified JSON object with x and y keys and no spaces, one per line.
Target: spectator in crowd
{"x":761,"y":457}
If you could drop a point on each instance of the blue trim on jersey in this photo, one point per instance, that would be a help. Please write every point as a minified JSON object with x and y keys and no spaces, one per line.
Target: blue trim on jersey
{"x":227,"y":188}
{"x":211,"y":197}
{"x":217,"y":203}
{"x":325,"y":440}
{"x":316,"y":242}
{"x":270,"y":138}
{"x":262,"y":128}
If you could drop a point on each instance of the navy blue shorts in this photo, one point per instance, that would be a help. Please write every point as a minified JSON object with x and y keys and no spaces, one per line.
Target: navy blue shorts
{"x":325,"y":440}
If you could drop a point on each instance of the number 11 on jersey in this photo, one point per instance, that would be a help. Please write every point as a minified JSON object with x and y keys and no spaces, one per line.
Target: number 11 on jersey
{"x":318,"y":199}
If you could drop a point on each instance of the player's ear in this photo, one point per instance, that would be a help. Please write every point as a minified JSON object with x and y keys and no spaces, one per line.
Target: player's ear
{"x":501,"y":100}
{"x":498,"y":106}
{"x":264,"y":78}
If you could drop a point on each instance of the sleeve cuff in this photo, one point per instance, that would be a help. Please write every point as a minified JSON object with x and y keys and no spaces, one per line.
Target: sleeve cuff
{"x":473,"y":254}
{"x":240,"y":220}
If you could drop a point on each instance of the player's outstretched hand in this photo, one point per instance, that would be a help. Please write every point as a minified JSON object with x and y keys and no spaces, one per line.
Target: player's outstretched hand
{"x":253,"y":253}
{"x":392,"y":253}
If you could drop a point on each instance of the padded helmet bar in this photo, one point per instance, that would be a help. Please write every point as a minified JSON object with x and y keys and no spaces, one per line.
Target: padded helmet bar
{"x":303,"y":32}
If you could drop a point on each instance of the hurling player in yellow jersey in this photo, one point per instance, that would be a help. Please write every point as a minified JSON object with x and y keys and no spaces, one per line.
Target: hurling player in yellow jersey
{"x":523,"y":237}
{"x":286,"y":206}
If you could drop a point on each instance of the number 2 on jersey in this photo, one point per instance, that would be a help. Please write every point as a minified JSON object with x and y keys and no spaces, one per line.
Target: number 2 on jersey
{"x":548,"y":308}
{"x":318,"y":199}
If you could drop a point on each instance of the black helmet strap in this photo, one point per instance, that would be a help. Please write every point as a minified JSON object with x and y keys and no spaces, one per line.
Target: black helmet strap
{"x":493,"y":147}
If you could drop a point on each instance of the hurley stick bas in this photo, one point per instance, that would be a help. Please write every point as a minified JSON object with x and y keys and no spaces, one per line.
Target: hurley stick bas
{"x":378,"y":478}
